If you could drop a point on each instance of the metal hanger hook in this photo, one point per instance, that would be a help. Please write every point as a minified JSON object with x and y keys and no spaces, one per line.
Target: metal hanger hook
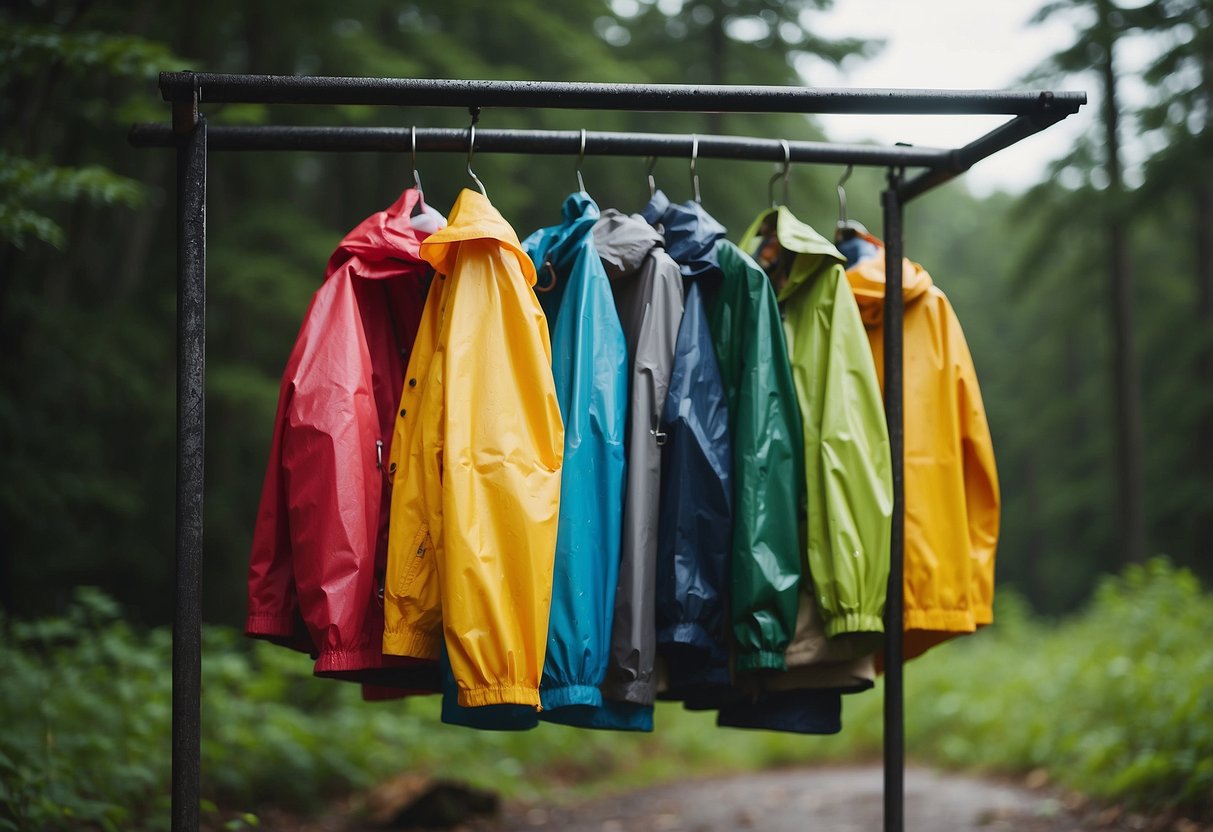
{"x":694,"y":157}
{"x":580,"y":157}
{"x":842,"y":195}
{"x":472,"y":150}
{"x":413,"y":154}
{"x":652,"y":181}
{"x":785,"y":173}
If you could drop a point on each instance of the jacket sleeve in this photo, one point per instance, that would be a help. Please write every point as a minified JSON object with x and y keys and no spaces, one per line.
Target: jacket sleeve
{"x":592,"y":364}
{"x":273,"y":607}
{"x":630,"y":670}
{"x":768,"y":466}
{"x":500,"y":464}
{"x":982,"y":499}
{"x":852,"y":508}
{"x":332,"y":468}
{"x":695,"y":540}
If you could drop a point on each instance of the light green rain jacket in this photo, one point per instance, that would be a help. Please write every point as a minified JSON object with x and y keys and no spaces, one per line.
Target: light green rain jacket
{"x":848,"y":473}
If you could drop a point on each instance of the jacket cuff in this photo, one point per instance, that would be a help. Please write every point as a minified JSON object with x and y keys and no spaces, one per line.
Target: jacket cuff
{"x":761,"y":660}
{"x":409,"y":642}
{"x":635,"y":691}
{"x":261,"y":624}
{"x":854,"y":622}
{"x":518,"y":695}
{"x":983,"y":615}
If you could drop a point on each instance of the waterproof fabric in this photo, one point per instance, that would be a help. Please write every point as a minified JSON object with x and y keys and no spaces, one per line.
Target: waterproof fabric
{"x":649,"y":297}
{"x":320,"y":542}
{"x":847,"y":463}
{"x":476,"y":461}
{"x":951,"y":483}
{"x":694,"y":547}
{"x":764,"y":427}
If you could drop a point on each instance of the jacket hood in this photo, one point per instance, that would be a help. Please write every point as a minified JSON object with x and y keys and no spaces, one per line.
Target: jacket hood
{"x":393,"y":234}
{"x":561,"y":244}
{"x":811,"y":250}
{"x":690,"y":233}
{"x":623,"y":242}
{"x":473,"y":217}
{"x":867,"y":283}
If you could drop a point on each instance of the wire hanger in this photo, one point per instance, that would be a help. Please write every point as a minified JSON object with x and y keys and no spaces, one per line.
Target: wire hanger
{"x":413,"y":154}
{"x":580,"y":158}
{"x":785,"y":173}
{"x":846,"y":229}
{"x":694,"y":156}
{"x":652,"y":181}
{"x":475,"y":111}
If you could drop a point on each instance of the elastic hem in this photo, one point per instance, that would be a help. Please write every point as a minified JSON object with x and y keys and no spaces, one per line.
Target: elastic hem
{"x":761,"y":660}
{"x":517,"y":695}
{"x":363,"y":658}
{"x":414,"y":643}
{"x":854,"y":622}
{"x":947,"y":621}
{"x":270,"y":625}
{"x":568,"y":695}
{"x":635,"y":692}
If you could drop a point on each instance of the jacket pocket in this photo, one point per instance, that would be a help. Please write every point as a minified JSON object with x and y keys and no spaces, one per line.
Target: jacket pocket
{"x":412,"y":609}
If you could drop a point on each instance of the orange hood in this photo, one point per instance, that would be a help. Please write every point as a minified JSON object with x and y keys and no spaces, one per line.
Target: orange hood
{"x":867,"y":282}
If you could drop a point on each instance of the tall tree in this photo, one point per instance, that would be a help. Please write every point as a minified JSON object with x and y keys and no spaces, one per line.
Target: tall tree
{"x":1100,"y":25}
{"x":1179,"y":118}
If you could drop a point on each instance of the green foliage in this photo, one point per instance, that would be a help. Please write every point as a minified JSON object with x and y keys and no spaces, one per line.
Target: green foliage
{"x":1114,"y":702}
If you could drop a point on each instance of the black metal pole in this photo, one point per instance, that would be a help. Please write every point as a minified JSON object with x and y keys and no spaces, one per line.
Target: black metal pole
{"x":191,"y":382}
{"x":266,"y":137}
{"x":894,"y":688}
{"x":430,"y":92}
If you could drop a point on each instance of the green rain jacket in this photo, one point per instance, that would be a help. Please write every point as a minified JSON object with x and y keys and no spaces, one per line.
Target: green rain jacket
{"x":847,"y":466}
{"x":769,"y":480}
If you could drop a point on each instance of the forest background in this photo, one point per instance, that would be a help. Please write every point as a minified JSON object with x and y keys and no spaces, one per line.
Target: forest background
{"x":1087,"y":300}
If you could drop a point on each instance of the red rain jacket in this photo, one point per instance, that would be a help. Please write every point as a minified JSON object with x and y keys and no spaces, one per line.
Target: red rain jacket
{"x":320,"y":543}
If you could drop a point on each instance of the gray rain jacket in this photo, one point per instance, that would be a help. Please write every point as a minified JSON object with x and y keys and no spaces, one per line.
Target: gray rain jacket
{"x":649,"y":297}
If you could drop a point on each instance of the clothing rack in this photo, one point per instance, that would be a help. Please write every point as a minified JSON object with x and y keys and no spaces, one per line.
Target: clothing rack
{"x":1031,"y":111}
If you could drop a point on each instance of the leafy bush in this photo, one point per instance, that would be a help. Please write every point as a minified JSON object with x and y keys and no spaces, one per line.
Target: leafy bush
{"x":1115,"y":702}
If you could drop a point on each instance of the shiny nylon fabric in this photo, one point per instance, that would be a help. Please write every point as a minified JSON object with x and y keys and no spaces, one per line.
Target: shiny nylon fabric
{"x":951,"y":482}
{"x":847,"y":462}
{"x":476,"y":460}
{"x":694,"y":544}
{"x":768,"y":460}
{"x":590,"y":367}
{"x":320,"y":541}
{"x":764,"y":427}
{"x":649,"y":297}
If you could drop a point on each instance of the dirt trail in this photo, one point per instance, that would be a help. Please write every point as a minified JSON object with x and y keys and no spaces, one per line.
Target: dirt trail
{"x":822,"y":800}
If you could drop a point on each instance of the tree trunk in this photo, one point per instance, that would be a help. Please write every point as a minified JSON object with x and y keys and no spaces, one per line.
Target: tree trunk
{"x":1204,"y":322}
{"x":717,"y":44}
{"x":1126,"y":379}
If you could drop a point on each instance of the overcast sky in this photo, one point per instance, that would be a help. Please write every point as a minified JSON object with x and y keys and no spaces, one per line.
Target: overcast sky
{"x":948,"y":44}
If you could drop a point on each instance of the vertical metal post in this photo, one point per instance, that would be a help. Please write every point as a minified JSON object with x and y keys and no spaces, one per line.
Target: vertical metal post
{"x":894,"y":688}
{"x":191,"y":390}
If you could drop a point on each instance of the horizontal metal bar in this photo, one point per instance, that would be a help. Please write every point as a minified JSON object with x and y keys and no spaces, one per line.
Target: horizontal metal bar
{"x":292,"y":89}
{"x":1000,"y":138}
{"x":544,"y":142}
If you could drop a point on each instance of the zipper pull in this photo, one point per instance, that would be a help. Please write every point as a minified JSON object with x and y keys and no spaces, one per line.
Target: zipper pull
{"x":379,"y":454}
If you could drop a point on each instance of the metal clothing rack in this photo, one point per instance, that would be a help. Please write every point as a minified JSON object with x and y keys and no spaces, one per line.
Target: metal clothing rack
{"x":189,"y":133}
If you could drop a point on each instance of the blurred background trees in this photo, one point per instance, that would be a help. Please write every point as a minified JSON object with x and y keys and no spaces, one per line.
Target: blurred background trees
{"x":1063,"y":290}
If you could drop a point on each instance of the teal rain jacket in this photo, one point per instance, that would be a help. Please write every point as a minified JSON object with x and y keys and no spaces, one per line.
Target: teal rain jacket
{"x":764,"y":425}
{"x":846,"y":440}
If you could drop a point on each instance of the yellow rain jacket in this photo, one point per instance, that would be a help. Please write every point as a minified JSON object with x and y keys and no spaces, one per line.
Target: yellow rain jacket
{"x":951,"y":485}
{"x":475,"y":462}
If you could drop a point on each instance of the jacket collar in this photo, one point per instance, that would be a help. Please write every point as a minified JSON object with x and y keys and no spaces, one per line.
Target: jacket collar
{"x":473,"y":217}
{"x":623,"y":242}
{"x":811,"y":252}
{"x":690,"y":232}
{"x":391,"y":235}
